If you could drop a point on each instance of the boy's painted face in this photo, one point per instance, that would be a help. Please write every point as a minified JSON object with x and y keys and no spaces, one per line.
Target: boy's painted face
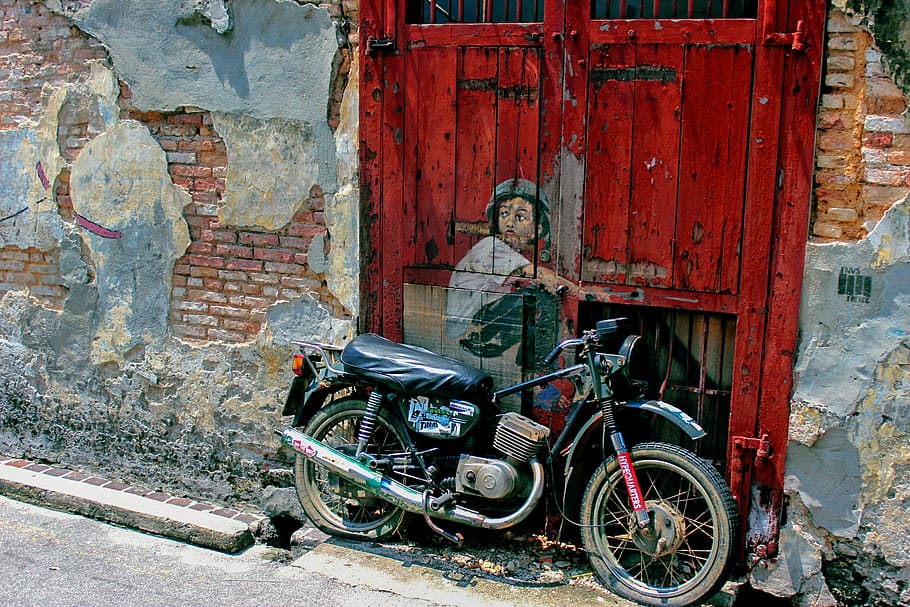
{"x":516,"y":222}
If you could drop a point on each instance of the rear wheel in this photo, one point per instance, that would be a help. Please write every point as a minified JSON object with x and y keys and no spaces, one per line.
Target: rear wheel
{"x":683,"y":556}
{"x":334,"y":505}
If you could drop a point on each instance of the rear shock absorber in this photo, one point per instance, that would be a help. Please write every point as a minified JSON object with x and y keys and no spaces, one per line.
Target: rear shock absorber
{"x":368,"y":423}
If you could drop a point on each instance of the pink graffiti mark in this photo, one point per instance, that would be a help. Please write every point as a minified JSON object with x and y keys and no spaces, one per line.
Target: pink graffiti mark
{"x":96,"y":228}
{"x":42,"y":176}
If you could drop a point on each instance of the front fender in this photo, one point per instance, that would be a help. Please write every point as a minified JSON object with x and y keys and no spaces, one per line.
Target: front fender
{"x":593,"y":426}
{"x":667,"y":411}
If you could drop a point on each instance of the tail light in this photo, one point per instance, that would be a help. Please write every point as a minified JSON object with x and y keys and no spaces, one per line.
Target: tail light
{"x":297,"y":365}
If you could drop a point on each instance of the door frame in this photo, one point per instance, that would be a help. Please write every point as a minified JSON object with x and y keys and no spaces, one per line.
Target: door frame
{"x":789,"y":42}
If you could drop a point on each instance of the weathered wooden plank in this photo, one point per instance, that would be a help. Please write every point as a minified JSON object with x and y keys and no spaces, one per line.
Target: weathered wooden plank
{"x":475,"y":144}
{"x":434,"y":123}
{"x":655,"y":164}
{"x":712,"y":167}
{"x":661,"y":297}
{"x":756,"y":244}
{"x":608,"y":172}
{"x":571,"y":99}
{"x":471,"y":34}
{"x":799,"y":100}
{"x":671,"y":32}
{"x":371,"y":167}
{"x":517,"y":119}
{"x":518,"y":122}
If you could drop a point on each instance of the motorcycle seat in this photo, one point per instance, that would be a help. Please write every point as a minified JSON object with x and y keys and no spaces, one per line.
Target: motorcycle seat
{"x":414,"y":370}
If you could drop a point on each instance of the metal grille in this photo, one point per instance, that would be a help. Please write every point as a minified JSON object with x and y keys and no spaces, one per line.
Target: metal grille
{"x":475,"y":11}
{"x":691,"y":365}
{"x":673,"y":9}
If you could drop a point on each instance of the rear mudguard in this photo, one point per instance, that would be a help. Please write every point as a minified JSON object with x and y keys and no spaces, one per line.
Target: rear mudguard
{"x":303,"y":401}
{"x":591,"y":430}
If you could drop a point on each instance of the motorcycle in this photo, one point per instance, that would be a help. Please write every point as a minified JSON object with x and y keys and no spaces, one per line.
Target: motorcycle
{"x":383,"y":430}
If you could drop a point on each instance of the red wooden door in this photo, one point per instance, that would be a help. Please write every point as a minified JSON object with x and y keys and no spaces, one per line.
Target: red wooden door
{"x":654,"y":156}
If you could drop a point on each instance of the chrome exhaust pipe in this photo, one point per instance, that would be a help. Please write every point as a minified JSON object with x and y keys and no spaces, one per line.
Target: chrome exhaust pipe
{"x":399,"y":494}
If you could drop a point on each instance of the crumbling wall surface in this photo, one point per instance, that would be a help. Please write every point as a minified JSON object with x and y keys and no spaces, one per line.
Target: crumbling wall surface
{"x":177,"y":191}
{"x":847,"y":463}
{"x":846,"y":537}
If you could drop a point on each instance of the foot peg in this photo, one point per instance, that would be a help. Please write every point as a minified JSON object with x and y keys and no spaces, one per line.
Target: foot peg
{"x":428,"y":502}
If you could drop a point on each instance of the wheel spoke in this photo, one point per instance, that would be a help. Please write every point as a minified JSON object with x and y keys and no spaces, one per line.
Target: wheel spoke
{"x":335,"y":502}
{"x":677,"y":489}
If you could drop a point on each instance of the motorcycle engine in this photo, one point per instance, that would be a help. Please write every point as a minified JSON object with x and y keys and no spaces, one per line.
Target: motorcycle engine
{"x":492,"y":478}
{"x":519,"y":438}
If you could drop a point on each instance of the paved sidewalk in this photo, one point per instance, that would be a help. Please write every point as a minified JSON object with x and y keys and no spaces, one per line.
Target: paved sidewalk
{"x":191,"y":521}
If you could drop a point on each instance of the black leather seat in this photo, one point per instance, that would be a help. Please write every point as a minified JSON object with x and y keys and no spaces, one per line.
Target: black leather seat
{"x":414,"y":370}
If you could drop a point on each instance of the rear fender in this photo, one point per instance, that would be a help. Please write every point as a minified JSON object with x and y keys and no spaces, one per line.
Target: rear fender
{"x":318,"y":395}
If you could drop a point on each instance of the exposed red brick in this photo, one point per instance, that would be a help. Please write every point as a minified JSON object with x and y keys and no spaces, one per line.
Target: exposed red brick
{"x":280,"y":255}
{"x":879,"y":140}
{"x":259,"y":240}
{"x":247,"y":265}
{"x":228,"y":250}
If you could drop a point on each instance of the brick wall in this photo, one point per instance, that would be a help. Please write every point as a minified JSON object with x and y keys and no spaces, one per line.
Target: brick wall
{"x":230,"y":275}
{"x":34,"y":270}
{"x":863,"y":147}
{"x":38,"y":48}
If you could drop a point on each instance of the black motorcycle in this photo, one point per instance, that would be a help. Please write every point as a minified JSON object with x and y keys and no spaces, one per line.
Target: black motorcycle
{"x":383,"y":429}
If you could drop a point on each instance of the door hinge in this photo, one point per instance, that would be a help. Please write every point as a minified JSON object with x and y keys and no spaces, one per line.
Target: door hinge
{"x":761,"y":446}
{"x":380,"y":45}
{"x":795,"y":40}
{"x":741,"y":444}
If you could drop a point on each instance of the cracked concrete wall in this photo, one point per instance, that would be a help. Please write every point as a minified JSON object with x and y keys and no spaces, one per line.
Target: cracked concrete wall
{"x":274,"y":62}
{"x":848,"y":462}
{"x":102,"y":381}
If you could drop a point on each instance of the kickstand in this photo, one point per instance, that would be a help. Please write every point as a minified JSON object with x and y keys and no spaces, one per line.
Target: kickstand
{"x":455,"y":538}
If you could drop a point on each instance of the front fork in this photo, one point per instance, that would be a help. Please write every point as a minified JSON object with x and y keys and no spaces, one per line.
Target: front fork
{"x":608,"y":409}
{"x":631,"y":479}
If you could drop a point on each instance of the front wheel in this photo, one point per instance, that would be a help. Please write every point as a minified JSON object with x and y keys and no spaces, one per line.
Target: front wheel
{"x":684,"y":554}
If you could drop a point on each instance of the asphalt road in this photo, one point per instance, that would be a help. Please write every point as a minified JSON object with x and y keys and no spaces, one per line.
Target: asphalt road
{"x":48,"y":558}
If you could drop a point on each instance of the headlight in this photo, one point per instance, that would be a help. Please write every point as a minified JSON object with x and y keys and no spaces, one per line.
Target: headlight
{"x":633,"y":350}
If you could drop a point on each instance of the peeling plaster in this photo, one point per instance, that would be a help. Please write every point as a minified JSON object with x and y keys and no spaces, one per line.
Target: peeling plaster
{"x":272,"y":166}
{"x":215,"y":12}
{"x":93,"y":102}
{"x":275,"y":62}
{"x":27,"y":209}
{"x":848,"y":464}
{"x":342,"y":212}
{"x":881,"y":431}
{"x":844,"y":336}
{"x":306,"y":319}
{"x":121,"y":181}
{"x":799,"y":560}
{"x":828,"y":479}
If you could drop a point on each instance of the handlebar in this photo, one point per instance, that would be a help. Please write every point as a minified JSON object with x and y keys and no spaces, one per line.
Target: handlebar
{"x":577,"y":341}
{"x":605,"y":328}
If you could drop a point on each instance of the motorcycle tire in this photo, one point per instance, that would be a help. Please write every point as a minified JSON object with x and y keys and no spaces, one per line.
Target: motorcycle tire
{"x":686,"y":552}
{"x":334,"y":506}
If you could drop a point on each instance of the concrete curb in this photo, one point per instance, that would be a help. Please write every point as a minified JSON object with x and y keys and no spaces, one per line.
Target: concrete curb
{"x":190,"y":521}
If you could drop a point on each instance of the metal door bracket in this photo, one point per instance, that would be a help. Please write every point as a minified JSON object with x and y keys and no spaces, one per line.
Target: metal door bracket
{"x":380,"y":45}
{"x":795,"y":40}
{"x":761,"y":446}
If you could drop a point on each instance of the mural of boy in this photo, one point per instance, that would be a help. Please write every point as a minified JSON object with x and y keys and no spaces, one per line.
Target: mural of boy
{"x":480,"y":312}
